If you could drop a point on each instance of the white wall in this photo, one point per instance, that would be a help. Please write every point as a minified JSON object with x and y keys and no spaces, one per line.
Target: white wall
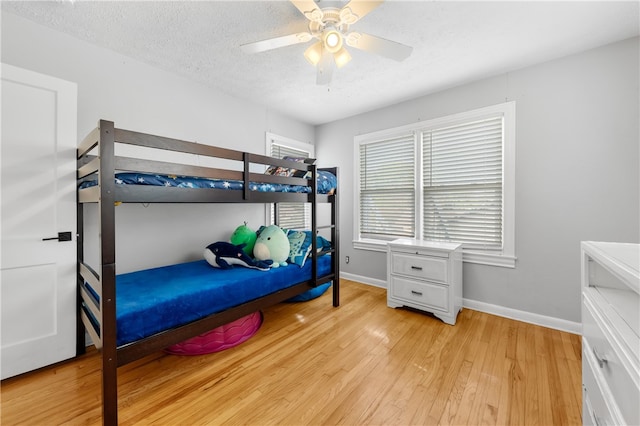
{"x":142,"y":98}
{"x":577,"y":172}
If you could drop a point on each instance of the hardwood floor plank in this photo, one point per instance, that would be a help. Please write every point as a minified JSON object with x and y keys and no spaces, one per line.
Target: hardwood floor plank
{"x":542,"y":364}
{"x":488,"y":380}
{"x":532,"y":404}
{"x":398,"y":402}
{"x":312,"y":364}
{"x":512,"y":401}
{"x":475,"y":355}
{"x":497,"y":376}
{"x":454,"y":364}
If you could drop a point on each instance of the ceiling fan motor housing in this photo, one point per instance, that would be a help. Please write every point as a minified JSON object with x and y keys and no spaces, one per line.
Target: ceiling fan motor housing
{"x":331,"y":20}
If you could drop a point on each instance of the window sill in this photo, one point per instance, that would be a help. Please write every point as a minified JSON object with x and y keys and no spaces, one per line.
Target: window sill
{"x":490,"y":259}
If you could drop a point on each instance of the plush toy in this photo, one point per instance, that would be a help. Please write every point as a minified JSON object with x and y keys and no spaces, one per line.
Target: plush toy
{"x":272,"y":244}
{"x":224,"y":255}
{"x":244,"y":235}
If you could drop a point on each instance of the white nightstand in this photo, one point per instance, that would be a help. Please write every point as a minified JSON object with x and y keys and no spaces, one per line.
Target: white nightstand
{"x":425,"y":275}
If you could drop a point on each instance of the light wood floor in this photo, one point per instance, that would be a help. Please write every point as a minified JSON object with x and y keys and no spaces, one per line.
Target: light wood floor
{"x":310,"y":363}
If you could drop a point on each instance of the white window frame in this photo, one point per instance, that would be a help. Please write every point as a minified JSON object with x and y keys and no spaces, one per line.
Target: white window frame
{"x":272,"y":138}
{"x":507,"y":257}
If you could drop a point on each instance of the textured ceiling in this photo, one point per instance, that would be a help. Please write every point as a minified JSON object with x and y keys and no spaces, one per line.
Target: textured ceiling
{"x":454,"y":43}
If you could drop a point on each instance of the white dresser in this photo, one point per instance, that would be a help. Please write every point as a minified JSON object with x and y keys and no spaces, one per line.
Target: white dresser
{"x":425,"y":275}
{"x":610,"y":333}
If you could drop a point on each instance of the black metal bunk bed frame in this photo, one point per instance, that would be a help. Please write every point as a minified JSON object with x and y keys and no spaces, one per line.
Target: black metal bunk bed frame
{"x":98,"y":317}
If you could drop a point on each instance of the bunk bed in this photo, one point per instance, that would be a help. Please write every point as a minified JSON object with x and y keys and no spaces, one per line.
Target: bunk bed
{"x":102,"y":180}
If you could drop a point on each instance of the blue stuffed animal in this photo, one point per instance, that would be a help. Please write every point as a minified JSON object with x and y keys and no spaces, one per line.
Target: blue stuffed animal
{"x":224,"y":255}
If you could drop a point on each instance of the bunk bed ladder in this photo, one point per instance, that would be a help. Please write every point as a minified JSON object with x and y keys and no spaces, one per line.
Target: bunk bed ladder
{"x":314,"y":225}
{"x":335,"y":242}
{"x":88,"y":302}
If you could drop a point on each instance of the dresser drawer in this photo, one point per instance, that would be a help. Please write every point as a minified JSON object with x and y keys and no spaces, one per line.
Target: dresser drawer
{"x":430,"y":295}
{"x":595,"y":409}
{"x":600,"y":354}
{"x":423,"y":267}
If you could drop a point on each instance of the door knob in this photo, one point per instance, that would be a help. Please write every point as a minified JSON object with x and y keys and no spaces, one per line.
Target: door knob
{"x":62,"y":236}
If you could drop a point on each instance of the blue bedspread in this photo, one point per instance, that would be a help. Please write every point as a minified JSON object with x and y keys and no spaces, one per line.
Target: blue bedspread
{"x":326,"y":182}
{"x":157,"y":299}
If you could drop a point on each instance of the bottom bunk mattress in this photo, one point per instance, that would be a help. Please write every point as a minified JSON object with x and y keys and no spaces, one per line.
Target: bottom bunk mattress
{"x":158,"y":299}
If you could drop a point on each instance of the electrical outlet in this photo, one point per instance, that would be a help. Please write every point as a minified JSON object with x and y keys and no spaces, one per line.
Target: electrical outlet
{"x":346,"y":259}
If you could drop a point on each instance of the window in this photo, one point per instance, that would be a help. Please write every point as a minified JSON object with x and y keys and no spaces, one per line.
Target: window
{"x":448,"y":179}
{"x":387,"y":188}
{"x":291,"y":215}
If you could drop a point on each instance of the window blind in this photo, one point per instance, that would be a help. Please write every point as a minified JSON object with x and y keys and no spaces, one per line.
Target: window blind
{"x":281,"y":151}
{"x":462,"y":184}
{"x":387,"y":188}
{"x":291,"y":215}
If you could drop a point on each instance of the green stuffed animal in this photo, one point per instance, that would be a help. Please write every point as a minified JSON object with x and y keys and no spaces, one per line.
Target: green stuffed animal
{"x":244,"y":235}
{"x":272,"y":244}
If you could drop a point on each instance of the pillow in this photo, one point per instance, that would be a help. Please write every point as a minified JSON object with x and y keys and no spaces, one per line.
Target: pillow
{"x":299,"y":246}
{"x":327,"y":182}
{"x":322,"y":243}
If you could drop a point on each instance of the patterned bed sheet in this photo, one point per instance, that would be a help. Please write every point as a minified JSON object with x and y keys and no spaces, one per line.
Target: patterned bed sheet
{"x":326,"y":183}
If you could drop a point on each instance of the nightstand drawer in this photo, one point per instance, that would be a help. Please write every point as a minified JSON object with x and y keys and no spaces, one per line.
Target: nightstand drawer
{"x":426,"y":294}
{"x":423,"y":267}
{"x":600,"y":354}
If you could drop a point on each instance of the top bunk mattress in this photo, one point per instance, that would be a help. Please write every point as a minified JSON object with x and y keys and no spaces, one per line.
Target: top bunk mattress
{"x":326,"y":183}
{"x":153,"y":300}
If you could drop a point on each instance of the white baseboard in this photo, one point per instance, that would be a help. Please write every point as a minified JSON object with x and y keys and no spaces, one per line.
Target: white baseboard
{"x":364,"y":280}
{"x":528,"y":317}
{"x":531,"y":318}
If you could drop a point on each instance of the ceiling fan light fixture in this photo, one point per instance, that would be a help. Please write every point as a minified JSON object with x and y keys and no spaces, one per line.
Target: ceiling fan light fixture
{"x":332,"y":40}
{"x":313,"y":54}
{"x":342,"y":57}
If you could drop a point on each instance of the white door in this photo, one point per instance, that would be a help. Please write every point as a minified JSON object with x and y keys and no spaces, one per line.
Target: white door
{"x":37,"y":183}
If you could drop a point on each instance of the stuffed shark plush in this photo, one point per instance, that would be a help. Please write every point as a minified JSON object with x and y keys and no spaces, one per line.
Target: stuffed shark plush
{"x":225,"y":255}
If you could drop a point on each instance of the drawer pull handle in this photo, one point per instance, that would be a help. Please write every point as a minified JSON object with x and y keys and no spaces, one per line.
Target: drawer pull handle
{"x":601,"y":361}
{"x":417,"y":293}
{"x":417,"y":268}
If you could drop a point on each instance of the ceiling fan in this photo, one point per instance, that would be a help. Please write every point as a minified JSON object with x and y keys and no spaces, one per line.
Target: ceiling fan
{"x":330,"y":27}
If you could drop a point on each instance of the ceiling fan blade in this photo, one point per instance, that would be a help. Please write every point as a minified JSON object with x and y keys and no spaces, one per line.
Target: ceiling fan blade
{"x":325,"y":68}
{"x":309,"y":9}
{"x":274,"y":43}
{"x":362,"y":7}
{"x":383,"y":47}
